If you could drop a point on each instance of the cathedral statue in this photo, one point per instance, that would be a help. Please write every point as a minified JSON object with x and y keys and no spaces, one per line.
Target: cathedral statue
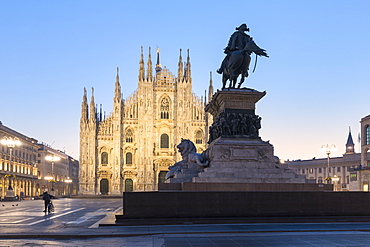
{"x":237,"y":59}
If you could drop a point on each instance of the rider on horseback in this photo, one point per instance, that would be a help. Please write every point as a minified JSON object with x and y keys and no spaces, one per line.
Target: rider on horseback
{"x":237,"y":41}
{"x":237,"y":60}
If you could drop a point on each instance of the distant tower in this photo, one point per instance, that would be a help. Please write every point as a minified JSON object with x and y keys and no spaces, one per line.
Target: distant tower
{"x":350,"y":146}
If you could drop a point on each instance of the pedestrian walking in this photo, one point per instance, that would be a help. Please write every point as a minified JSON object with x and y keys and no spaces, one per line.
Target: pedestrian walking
{"x":47,"y":199}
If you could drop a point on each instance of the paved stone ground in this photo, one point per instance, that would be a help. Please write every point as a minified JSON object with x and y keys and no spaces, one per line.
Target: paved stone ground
{"x":282,"y":239}
{"x":76,"y":223}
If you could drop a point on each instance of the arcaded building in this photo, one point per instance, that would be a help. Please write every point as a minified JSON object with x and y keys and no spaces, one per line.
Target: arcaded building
{"x":132,"y":148}
{"x":26,"y":169}
{"x":18,"y":167}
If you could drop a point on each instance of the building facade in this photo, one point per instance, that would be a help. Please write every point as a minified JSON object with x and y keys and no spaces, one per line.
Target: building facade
{"x":25,"y":167}
{"x":132,"y":148}
{"x":57,"y":172}
{"x":18,"y":167}
{"x":351,"y":172}
{"x":364,"y":169}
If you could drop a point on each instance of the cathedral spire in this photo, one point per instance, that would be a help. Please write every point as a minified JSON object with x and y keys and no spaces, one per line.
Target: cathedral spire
{"x":180,"y":70}
{"x":210,"y":88}
{"x":117,"y":89}
{"x":141,"y":69}
{"x":188,"y":68}
{"x":205,"y":98}
{"x":100,"y":113}
{"x":84,"y":107}
{"x":350,"y":145}
{"x":150,"y":66}
{"x":92,"y":107}
{"x":158,"y":67}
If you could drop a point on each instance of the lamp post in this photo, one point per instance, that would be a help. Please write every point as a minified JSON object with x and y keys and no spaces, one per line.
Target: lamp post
{"x":11,"y":143}
{"x":328,"y":150}
{"x":68,"y":181}
{"x":51,"y":178}
{"x":335,"y":180}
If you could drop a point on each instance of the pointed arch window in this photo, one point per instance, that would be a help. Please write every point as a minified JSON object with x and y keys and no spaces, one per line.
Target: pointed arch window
{"x":128,"y":158}
{"x":104,"y":158}
{"x":165,"y":141}
{"x":367,"y":139}
{"x":199,"y":137}
{"x":165,"y":108}
{"x":129,"y":135}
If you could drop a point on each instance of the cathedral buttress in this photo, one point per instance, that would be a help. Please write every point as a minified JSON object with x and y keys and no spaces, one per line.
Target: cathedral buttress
{"x":116,"y":160}
{"x":83,"y":143}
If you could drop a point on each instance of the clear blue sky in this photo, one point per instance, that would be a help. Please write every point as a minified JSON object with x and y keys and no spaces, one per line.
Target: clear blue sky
{"x":317,"y":76}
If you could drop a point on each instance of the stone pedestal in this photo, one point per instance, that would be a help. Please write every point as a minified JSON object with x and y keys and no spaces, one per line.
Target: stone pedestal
{"x":234,"y":114}
{"x":234,"y":100}
{"x":244,"y":161}
{"x":236,"y":152}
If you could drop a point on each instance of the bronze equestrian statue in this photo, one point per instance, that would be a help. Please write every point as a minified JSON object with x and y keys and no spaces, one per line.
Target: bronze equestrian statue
{"x":238,"y":58}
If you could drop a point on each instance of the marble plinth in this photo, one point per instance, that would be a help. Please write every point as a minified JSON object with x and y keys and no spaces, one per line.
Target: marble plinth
{"x":244,"y":161}
{"x":236,"y":152}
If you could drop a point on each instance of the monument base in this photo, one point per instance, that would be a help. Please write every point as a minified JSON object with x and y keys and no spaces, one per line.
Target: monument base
{"x":185,"y":205}
{"x":273,"y":187}
{"x":236,"y":152}
{"x":236,"y":160}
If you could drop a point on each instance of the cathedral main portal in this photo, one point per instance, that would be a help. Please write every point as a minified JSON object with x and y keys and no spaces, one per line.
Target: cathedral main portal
{"x":104,"y":186}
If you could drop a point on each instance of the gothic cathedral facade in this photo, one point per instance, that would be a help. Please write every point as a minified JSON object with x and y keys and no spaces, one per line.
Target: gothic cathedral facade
{"x":132,"y":148}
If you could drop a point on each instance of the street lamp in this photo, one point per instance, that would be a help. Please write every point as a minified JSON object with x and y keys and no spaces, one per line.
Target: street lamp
{"x":328,"y":150}
{"x":51,"y":178}
{"x":11,"y":143}
{"x":68,"y":181}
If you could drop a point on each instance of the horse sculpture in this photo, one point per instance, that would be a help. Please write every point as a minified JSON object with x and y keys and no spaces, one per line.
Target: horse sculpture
{"x":237,"y":63}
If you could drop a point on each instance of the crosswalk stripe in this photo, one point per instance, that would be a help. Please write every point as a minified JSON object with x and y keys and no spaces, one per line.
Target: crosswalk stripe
{"x":18,"y":221}
{"x":53,"y":217}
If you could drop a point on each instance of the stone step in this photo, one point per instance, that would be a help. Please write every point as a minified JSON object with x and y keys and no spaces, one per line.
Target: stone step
{"x":239,"y":174}
{"x":247,"y":170}
{"x":240,"y":165}
{"x":186,"y":175}
{"x":180,"y":180}
{"x":246,"y":180}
